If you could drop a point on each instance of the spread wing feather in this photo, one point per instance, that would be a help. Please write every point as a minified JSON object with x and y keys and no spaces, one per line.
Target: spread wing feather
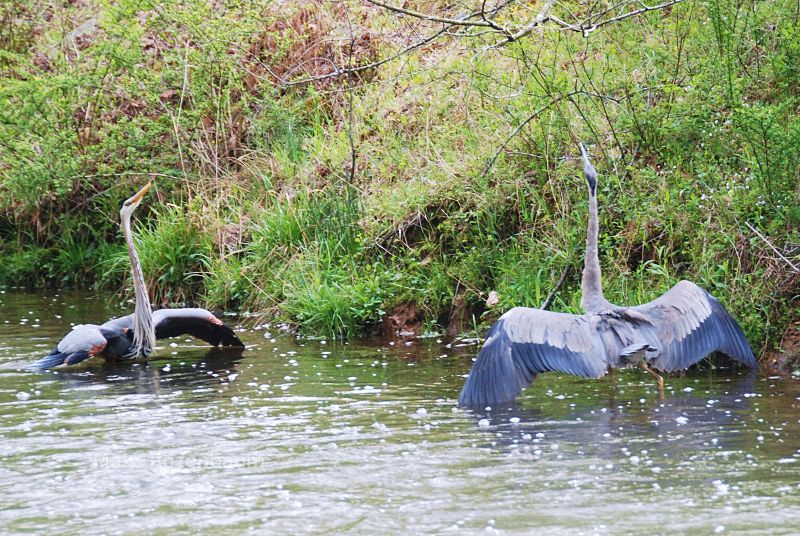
{"x":690,"y":324}
{"x":525,"y":342}
{"x":198,"y":323}
{"x":81,"y":338}
{"x":84,"y":341}
{"x":113,"y":339}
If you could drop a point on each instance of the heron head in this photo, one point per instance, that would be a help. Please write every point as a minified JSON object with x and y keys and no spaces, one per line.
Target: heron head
{"x":588,"y":171}
{"x":130,"y":204}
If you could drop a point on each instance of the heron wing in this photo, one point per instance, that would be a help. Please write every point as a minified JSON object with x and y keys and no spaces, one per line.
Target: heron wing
{"x":82,"y":338}
{"x":196,"y":322}
{"x":690,"y":324}
{"x":118,"y":324}
{"x":525,"y":342}
{"x":84,"y":341}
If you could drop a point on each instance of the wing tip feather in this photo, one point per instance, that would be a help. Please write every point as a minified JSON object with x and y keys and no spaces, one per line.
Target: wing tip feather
{"x":506,"y":365}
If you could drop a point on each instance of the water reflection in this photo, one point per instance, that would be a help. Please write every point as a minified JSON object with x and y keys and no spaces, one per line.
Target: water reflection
{"x":682,"y":421}
{"x":215,"y":367}
{"x":317,"y":437}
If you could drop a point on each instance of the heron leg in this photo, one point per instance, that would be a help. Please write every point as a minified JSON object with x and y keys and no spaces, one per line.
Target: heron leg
{"x":612,"y":374}
{"x":654,"y":374}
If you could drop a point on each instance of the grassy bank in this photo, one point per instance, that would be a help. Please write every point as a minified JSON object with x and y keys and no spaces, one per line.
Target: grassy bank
{"x":465,"y":178}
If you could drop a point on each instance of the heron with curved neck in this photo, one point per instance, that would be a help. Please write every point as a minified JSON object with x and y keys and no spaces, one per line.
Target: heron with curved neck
{"x":134,"y":336}
{"x":672,"y":332}
{"x":144,"y":334}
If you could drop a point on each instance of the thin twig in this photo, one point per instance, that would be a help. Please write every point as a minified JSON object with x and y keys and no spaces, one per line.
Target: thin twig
{"x":764,"y":238}
{"x":435,"y":18}
{"x":516,"y":131}
{"x":360,"y":68}
{"x":541,"y":18}
{"x":349,"y":90}
{"x":644,"y":9}
{"x":600,"y":14}
{"x":586,"y":27}
{"x":550,"y":297}
{"x":538,"y":112}
{"x":421,"y":43}
{"x":510,"y":34}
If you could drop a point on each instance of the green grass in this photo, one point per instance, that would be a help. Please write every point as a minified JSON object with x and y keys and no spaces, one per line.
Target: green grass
{"x":691,"y":114}
{"x":174,"y":255}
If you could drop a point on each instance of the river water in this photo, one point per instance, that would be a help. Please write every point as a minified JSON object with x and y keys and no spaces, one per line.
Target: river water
{"x":316,"y":437}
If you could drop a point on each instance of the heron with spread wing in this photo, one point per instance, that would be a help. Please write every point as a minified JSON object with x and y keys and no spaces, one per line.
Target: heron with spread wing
{"x":134,"y":336}
{"x":672,"y":332}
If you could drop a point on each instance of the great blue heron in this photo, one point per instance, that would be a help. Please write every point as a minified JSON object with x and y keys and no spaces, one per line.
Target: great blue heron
{"x":670,"y":333}
{"x":134,"y":336}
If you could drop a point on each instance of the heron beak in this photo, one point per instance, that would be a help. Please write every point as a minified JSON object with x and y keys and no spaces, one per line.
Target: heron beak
{"x":584,"y":154}
{"x":140,"y":194}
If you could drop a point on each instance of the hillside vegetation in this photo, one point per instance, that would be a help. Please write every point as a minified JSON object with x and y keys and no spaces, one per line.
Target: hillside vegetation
{"x":405,"y":192}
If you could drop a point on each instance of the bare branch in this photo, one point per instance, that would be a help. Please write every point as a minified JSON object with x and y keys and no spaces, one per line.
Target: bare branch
{"x":600,"y":14}
{"x":764,"y":238}
{"x":468,"y":21}
{"x":552,"y":295}
{"x":538,"y":20}
{"x":361,"y":68}
{"x":644,"y":9}
{"x":512,"y":34}
{"x":351,"y":178}
{"x":435,"y":18}
{"x":418,"y":44}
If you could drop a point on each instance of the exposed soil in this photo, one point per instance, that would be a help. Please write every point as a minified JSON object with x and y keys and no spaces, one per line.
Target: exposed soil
{"x":460,"y":317}
{"x":403,"y":320}
{"x":787,"y":357}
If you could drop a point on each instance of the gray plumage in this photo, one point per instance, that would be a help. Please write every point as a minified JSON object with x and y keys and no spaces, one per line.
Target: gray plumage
{"x":133,"y":336}
{"x":199,"y":323}
{"x":671,"y":333}
{"x":144,"y":336}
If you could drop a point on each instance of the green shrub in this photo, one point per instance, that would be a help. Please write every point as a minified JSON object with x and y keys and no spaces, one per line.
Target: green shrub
{"x":174,"y":255}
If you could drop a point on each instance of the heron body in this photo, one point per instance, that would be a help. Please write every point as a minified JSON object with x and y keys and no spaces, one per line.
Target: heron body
{"x":133,"y":336}
{"x":670,"y":333}
{"x":85,"y":341}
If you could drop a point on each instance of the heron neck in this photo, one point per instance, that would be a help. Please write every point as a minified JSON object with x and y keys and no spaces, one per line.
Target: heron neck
{"x":591,"y":284}
{"x":143,"y":331}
